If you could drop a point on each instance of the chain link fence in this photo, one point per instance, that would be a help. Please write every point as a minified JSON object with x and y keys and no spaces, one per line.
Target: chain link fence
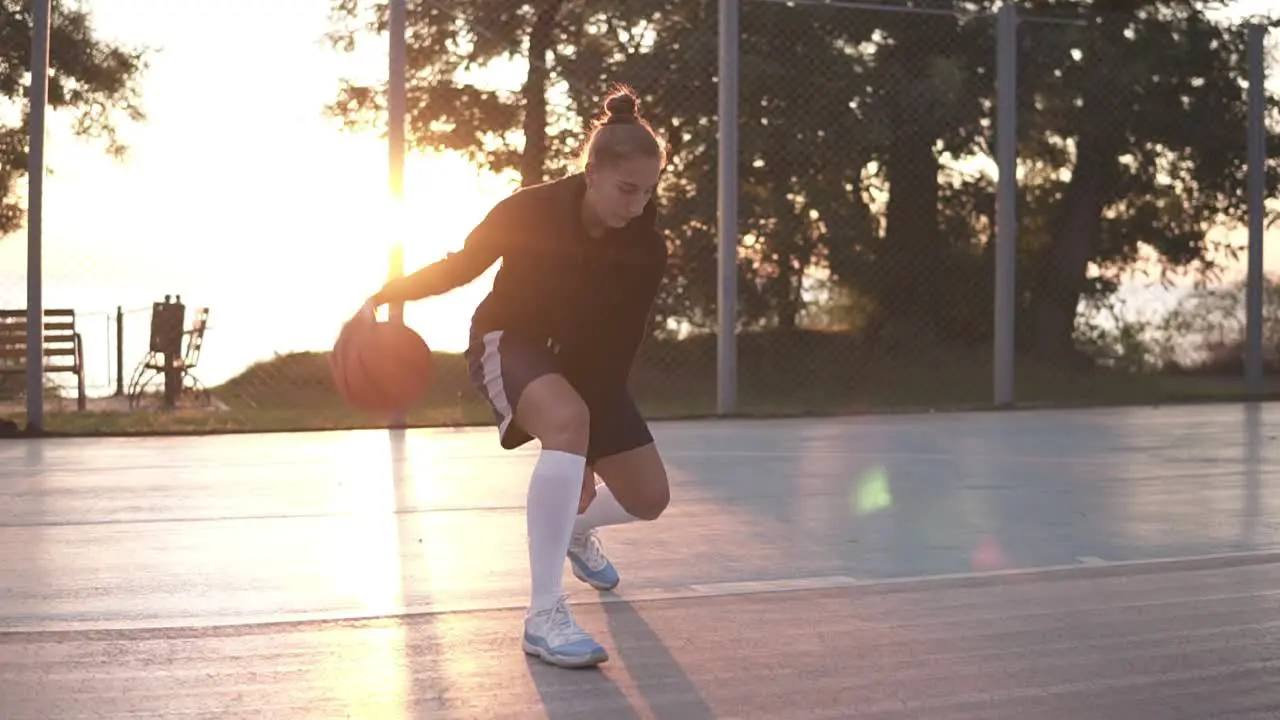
{"x":236,"y":243}
{"x":866,"y":207}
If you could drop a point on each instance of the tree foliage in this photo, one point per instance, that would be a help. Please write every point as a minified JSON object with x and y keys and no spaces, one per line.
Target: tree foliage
{"x":94,"y":80}
{"x":1147,"y":108}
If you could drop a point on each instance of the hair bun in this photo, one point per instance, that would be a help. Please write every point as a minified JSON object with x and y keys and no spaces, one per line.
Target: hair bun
{"x":621,"y":107}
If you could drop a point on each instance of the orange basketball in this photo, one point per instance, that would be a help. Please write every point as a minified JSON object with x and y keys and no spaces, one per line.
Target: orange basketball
{"x":380,"y":368}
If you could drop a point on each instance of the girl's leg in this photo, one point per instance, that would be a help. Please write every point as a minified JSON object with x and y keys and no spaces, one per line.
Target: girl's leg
{"x":532,"y":400}
{"x":623,"y":453}
{"x":635,"y":487}
{"x":635,"y":483}
{"x":551,"y":411}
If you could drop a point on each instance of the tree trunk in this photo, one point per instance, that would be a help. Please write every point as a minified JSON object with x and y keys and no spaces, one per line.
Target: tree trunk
{"x":911,"y":262}
{"x":533,"y":159}
{"x":1060,"y":280}
{"x":786,"y":301}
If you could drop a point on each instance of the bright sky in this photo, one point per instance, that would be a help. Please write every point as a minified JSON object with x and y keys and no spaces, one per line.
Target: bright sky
{"x":239,"y":195}
{"x":237,"y":192}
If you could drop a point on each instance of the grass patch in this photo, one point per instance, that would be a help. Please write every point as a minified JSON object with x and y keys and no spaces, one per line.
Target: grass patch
{"x":781,"y":373}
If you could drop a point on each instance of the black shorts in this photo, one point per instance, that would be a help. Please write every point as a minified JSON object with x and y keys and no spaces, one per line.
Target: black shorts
{"x":501,"y":366}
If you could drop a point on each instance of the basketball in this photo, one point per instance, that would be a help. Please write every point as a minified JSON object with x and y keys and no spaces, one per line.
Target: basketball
{"x":380,"y":368}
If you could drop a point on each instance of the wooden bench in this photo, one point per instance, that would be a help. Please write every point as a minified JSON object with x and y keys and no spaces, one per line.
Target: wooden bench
{"x":63,"y":350}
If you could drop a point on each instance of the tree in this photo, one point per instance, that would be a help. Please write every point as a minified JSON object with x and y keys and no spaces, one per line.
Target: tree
{"x":531,"y":128}
{"x":836,"y":106}
{"x":932,"y":76}
{"x":94,"y":79}
{"x":1146,"y":107}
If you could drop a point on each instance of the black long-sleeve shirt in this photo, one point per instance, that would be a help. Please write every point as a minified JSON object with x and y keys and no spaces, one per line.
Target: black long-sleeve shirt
{"x":591,"y":297}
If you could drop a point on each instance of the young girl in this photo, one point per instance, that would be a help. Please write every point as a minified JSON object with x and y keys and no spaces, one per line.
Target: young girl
{"x":551,"y":350}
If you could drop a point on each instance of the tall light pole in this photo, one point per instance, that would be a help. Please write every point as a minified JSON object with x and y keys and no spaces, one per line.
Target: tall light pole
{"x":40,"y":12}
{"x":396,"y":25}
{"x":395,"y":141}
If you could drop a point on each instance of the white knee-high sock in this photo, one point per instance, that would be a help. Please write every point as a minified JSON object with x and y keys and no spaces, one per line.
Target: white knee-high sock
{"x":551,"y":507}
{"x":603,"y":510}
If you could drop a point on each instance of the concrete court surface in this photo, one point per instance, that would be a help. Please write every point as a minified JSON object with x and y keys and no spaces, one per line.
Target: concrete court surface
{"x":1056,"y":564}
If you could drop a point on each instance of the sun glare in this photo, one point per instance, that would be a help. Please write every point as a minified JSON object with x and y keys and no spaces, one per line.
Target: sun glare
{"x":281,"y":223}
{"x":445,"y":197}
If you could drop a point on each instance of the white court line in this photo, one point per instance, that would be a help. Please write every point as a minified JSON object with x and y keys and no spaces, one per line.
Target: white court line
{"x":1085,"y":567}
{"x":584,"y":597}
{"x":873,"y":455}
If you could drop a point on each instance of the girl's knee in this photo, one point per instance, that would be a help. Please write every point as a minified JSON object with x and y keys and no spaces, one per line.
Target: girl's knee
{"x":651,"y":502}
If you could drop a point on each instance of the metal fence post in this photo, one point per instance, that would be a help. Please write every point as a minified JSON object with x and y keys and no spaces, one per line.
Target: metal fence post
{"x":1006,"y":255}
{"x":396,"y":110}
{"x":40,"y":21}
{"x":727,"y":212}
{"x":1257,"y":165}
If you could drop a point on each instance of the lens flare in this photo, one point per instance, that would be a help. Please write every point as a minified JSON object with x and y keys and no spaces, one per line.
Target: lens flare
{"x":988,"y":555}
{"x":871,"y":492}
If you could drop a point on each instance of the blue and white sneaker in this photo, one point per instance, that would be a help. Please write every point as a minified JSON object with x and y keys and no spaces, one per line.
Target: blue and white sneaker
{"x":589,"y":562}
{"x":554,"y":636}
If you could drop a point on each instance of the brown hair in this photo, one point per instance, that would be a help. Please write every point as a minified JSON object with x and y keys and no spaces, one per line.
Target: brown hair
{"x":621,"y":133}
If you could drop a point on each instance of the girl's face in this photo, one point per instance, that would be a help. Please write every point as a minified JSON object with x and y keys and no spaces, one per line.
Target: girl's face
{"x":619,"y":192}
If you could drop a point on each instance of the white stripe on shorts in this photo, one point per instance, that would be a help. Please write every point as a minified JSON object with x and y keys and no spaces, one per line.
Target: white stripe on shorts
{"x":491,"y":364}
